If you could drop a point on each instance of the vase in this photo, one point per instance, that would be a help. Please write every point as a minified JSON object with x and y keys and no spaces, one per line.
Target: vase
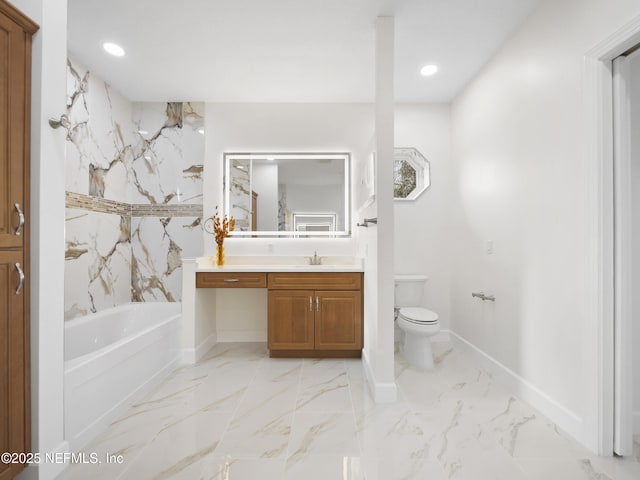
{"x":220,"y":255}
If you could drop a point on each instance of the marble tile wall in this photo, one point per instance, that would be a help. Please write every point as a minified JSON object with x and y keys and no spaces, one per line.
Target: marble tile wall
{"x":134,"y":195}
{"x":166,"y":175}
{"x":240,"y":194}
{"x":168,"y":161}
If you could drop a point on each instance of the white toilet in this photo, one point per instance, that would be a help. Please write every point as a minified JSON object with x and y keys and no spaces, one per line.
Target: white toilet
{"x":417,"y":324}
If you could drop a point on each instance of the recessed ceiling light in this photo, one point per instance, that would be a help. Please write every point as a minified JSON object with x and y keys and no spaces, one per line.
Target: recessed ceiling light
{"x":271,"y":159}
{"x":201,"y":131}
{"x":113,"y":49}
{"x":142,"y":132}
{"x":428,"y":70}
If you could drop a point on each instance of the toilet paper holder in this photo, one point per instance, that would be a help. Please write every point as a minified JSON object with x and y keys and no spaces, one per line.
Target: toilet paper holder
{"x":483,"y":297}
{"x":367,"y":221}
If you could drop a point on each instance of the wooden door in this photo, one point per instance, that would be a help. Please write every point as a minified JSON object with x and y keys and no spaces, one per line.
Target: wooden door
{"x":15,"y":73}
{"x":13,"y":138}
{"x":290,"y":322}
{"x":14,"y":396}
{"x":338,"y":322}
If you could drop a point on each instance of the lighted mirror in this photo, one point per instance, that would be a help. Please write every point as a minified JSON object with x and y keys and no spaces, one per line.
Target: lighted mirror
{"x":288,"y":194}
{"x":411,"y":174}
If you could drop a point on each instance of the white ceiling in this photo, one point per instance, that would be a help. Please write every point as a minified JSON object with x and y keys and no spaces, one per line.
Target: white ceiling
{"x":286,"y":50}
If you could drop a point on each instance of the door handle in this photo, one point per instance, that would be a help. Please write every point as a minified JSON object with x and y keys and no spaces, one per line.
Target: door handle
{"x":20,"y":218}
{"x":310,"y":303}
{"x":231,"y":280}
{"x":21,"y":282}
{"x":317,"y":304}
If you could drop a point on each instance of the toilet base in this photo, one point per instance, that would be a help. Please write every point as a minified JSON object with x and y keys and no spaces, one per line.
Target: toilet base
{"x":416,"y":350}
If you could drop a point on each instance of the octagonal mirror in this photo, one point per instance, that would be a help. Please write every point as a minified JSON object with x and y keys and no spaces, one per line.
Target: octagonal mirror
{"x":411,"y":174}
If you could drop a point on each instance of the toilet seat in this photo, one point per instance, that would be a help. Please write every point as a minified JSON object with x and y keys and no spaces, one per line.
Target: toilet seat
{"x":419,"y":315}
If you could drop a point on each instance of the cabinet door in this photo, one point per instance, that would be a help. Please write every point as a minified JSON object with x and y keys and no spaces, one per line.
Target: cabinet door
{"x":338,"y":320}
{"x":13,"y":136}
{"x":290,"y":320}
{"x":13,"y":362}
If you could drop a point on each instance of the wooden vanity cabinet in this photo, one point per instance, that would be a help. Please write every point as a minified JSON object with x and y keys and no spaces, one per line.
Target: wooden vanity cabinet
{"x":291,"y":320}
{"x":338,"y":321}
{"x":315,"y":314}
{"x":231,"y":280}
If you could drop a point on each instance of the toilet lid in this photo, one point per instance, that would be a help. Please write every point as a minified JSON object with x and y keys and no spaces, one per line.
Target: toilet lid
{"x":419,"y":315}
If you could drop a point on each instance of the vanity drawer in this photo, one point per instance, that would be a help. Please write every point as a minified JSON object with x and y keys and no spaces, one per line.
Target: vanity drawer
{"x":231,"y":280}
{"x":315,"y":281}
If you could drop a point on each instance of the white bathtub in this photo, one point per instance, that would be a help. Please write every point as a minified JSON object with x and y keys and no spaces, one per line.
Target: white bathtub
{"x":112,"y":357}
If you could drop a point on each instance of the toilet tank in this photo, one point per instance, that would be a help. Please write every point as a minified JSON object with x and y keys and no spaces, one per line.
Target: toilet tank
{"x":409,"y":290}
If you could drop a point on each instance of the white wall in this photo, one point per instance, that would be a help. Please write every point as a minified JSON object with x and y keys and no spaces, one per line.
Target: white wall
{"x":265,"y":127}
{"x":635,"y":234}
{"x":47,"y":230}
{"x":377,"y":241}
{"x":241,"y":314}
{"x":422,"y":227}
{"x":264,"y":181}
{"x":278,"y":128}
{"x":522,"y":181}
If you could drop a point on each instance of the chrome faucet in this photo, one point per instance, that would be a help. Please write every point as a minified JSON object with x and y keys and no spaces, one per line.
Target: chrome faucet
{"x":315,"y":260}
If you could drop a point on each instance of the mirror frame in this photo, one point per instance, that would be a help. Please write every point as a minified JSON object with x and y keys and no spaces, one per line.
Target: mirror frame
{"x":228,"y":157}
{"x":420,"y":164}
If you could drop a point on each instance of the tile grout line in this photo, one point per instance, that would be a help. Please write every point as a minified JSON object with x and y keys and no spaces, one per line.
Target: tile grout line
{"x":293,"y":418}
{"x":353,"y":413}
{"x":215,"y":452}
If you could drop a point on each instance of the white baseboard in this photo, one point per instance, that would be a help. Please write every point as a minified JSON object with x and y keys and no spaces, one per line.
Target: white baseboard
{"x":636,"y":423}
{"x":47,"y":470}
{"x":556,"y":412}
{"x":242,"y":336}
{"x":382,"y":392}
{"x":191,"y":356}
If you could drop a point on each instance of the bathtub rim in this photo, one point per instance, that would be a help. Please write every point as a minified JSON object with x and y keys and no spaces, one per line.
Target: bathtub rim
{"x":127,"y":308}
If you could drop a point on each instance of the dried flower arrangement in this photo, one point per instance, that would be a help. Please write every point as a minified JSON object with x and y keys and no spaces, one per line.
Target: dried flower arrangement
{"x":222,"y":227}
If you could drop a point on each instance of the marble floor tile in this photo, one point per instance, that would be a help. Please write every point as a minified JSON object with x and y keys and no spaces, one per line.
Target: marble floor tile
{"x":384,"y":468}
{"x":325,"y":395}
{"x":261,"y":425}
{"x":213,"y":396}
{"x":178,"y":445}
{"x":278,"y":370}
{"x":322,"y":433}
{"x":393,"y":431}
{"x":230,"y":468}
{"x":324,"y":467}
{"x":564,"y":468}
{"x":240,"y":415}
{"x":316,"y":371}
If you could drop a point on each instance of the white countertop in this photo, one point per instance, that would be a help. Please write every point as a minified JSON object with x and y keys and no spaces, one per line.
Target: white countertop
{"x":280,"y":264}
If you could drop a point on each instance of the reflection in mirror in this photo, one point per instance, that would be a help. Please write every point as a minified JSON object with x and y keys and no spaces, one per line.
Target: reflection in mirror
{"x":288,"y":194}
{"x":411,"y":174}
